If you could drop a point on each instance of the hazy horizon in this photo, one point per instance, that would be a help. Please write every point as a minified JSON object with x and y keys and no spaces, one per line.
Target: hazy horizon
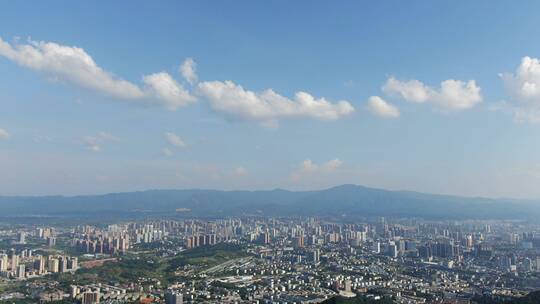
{"x":532,"y":200}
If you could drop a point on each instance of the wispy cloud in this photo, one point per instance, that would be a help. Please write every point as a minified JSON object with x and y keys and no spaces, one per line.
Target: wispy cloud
{"x":4,"y":134}
{"x":309,"y":168}
{"x":167,"y":152}
{"x":95,"y":143}
{"x":188,"y":69}
{"x":175,"y":140}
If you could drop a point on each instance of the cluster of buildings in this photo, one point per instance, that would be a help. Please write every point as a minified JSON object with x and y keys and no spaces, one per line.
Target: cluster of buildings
{"x":408,"y":260}
{"x":303,"y":260}
{"x":27,"y":265}
{"x":103,"y":245}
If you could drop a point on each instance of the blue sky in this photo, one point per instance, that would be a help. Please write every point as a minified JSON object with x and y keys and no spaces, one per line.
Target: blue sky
{"x":433,"y":96}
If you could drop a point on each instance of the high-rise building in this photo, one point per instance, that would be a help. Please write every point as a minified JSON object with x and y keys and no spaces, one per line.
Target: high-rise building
{"x":392,"y":250}
{"x":470,"y":241}
{"x":22,"y":237}
{"x":348,"y":286}
{"x":173,"y":297}
{"x":14,"y":262}
{"x":264,"y":238}
{"x":62,"y":264}
{"x":298,"y":241}
{"x":376,"y":247}
{"x":90,"y":297}
{"x":39,"y":264}
{"x":3,"y":262}
{"x":53,"y":265}
{"x":410,"y":245}
{"x":21,"y":270}
{"x":189,"y":242}
{"x":316,"y":256}
{"x":73,"y":263}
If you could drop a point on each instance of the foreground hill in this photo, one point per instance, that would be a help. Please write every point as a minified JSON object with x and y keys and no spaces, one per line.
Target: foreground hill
{"x":342,"y":200}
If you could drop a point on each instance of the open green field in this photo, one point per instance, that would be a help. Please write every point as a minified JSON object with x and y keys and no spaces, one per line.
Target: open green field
{"x":207,"y":256}
{"x":147,"y":267}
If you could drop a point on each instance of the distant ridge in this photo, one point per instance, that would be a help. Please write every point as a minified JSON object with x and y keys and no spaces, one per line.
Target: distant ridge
{"x":352,"y":200}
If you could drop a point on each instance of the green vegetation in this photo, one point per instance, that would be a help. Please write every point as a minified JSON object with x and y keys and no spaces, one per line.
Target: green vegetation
{"x":357,"y":300}
{"x":207,"y":256}
{"x":242,"y":291}
{"x":32,"y":301}
{"x":148,"y":268}
{"x":125,"y":270}
{"x":531,"y":298}
{"x":18,"y":301}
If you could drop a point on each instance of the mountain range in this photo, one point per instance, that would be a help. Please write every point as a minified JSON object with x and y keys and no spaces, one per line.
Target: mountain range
{"x":349,"y":200}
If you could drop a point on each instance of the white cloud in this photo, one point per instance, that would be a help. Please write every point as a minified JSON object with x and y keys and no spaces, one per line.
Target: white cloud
{"x":268,"y":106}
{"x":382,"y":108}
{"x":163,"y":87}
{"x":4,"y":134}
{"x":523,"y":87}
{"x":167,"y":152}
{"x":412,"y":90}
{"x":451,"y":95}
{"x":309,"y":168}
{"x":175,"y":140}
{"x":92,"y":143}
{"x":458,"y":95}
{"x":188,"y":69}
{"x":95,"y":143}
{"x":333,"y":164}
{"x":72,"y":64}
{"x":69,"y":63}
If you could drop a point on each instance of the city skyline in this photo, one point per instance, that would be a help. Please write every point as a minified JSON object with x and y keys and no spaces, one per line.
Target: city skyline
{"x":114,"y":97}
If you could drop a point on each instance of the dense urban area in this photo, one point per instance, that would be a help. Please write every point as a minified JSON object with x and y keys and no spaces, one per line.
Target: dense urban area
{"x":270,"y":260}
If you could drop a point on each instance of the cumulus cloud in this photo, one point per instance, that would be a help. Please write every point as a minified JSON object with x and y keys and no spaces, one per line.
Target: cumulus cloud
{"x":452,"y":94}
{"x":268,"y":106}
{"x":382,"y":108}
{"x":412,"y":90}
{"x":72,"y":64}
{"x":175,"y":140}
{"x":310,"y":168}
{"x":163,"y":87}
{"x":4,"y":134}
{"x":96,"y":142}
{"x":188,"y":69}
{"x":523,"y":87}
